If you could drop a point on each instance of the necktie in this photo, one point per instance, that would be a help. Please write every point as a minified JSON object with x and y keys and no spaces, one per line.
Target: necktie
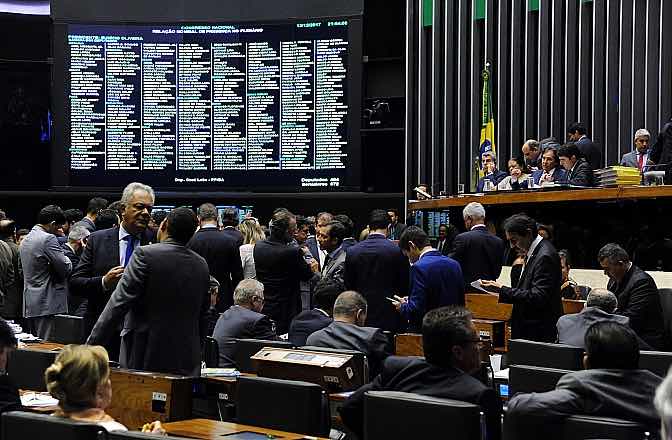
{"x":641,"y":161}
{"x":130,"y":247}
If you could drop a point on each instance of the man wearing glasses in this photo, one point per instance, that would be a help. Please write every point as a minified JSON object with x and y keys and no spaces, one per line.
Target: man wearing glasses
{"x":243,"y":320}
{"x":107,"y":253}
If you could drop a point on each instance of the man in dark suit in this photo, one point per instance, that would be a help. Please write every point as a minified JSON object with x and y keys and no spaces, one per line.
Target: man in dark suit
{"x":95,"y":205}
{"x":578,"y":172}
{"x":230,"y":221}
{"x":164,"y":289}
{"x":610,"y":386}
{"x":447,"y":234}
{"x":11,"y":281}
{"x":310,"y":321}
{"x":347,"y":331}
{"x":639,"y":158}
{"x":600,"y":307}
{"x":532,"y":153}
{"x":479,"y":253}
{"x":536,"y":299}
{"x":243,"y":320}
{"x":550,"y":171}
{"x":280,"y":268}
{"x":661,"y":151}
{"x":9,"y":393}
{"x":319,"y":254}
{"x":73,"y":249}
{"x":576,"y":132}
{"x":349,"y":240}
{"x":450,"y":343}
{"x":331,"y":240}
{"x":394,"y":229}
{"x":106,"y":254}
{"x":377,"y":269}
{"x":221,"y":252}
{"x":637,"y":294}
{"x":490,"y":171}
{"x":436,"y":280}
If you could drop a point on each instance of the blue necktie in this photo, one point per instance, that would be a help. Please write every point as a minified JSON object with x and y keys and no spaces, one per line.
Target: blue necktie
{"x":129,"y":249}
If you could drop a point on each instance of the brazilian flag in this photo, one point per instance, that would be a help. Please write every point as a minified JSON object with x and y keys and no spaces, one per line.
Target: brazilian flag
{"x":487,"y":143}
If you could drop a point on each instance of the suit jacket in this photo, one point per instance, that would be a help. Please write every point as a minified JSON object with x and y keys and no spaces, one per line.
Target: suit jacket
{"x":621,"y":394}
{"x":661,"y":151}
{"x":631,"y":159}
{"x":11,"y":280}
{"x":164,"y":289}
{"x":240,"y":323}
{"x":87,"y":224}
{"x":100,"y":255}
{"x":394,"y":232}
{"x":377,"y":269}
{"x":536,"y":300}
{"x":349,"y":242}
{"x":305,"y":324}
{"x":436,"y":281}
{"x":45,"y":271}
{"x":638,"y":299}
{"x":495,"y":178}
{"x":559,"y":175}
{"x":416,"y":375}
{"x":223,"y":256}
{"x":280,"y":268}
{"x":448,"y":242}
{"x":314,"y":249}
{"x":572,"y":328}
{"x":479,"y":253}
{"x":580,"y":175}
{"x":76,"y":304}
{"x":334,"y":266}
{"x":368,"y":340}
{"x":234,"y":234}
{"x":590,"y":152}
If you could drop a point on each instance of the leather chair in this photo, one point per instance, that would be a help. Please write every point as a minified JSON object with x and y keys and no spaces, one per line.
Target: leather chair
{"x":361,"y":361}
{"x":19,"y":425}
{"x":211,"y":352}
{"x":657,"y":362}
{"x":246,"y":348}
{"x":394,"y":415}
{"x":544,"y":354}
{"x":529,"y":379}
{"x":284,"y":405}
{"x":68,"y":329}
{"x":666,"y":304}
{"x":26,"y":368}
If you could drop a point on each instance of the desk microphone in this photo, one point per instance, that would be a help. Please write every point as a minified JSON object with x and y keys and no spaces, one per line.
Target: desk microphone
{"x":421,"y":192}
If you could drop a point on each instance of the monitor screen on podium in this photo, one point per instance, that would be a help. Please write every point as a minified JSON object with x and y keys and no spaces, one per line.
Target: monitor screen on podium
{"x":271,"y":104}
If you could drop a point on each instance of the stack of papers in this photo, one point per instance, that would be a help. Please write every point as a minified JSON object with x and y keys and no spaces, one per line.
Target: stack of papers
{"x":617,"y":176}
{"x":221,"y":372}
{"x":37,"y":400}
{"x":27,"y":337}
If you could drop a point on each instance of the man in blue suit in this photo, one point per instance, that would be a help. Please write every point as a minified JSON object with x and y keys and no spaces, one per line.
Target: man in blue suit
{"x":436,"y":280}
{"x":490,"y":170}
{"x":309,"y":321}
{"x":377,"y":269}
{"x":550,"y":171}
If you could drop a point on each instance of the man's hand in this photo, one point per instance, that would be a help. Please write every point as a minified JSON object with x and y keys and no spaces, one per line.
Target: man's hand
{"x":488,"y":283}
{"x":314,"y":266}
{"x":112,"y":277}
{"x":153,"y":428}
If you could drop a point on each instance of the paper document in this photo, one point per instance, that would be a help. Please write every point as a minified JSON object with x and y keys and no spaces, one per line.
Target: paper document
{"x":502,"y":374}
{"x":35,"y":400}
{"x":226,"y":372}
{"x":477,"y":285}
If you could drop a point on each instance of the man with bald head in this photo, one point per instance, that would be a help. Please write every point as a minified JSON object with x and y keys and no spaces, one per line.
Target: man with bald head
{"x":347,"y":331}
{"x":532,"y":154}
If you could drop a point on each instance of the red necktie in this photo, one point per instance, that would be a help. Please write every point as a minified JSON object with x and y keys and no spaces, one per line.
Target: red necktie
{"x":641,"y":161}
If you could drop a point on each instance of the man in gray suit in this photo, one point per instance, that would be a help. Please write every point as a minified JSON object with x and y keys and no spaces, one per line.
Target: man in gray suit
{"x":640,"y":156}
{"x":600,"y":306}
{"x":612,"y":385}
{"x":331,"y":239}
{"x":347,"y":331}
{"x":45,"y":271}
{"x":164,"y":288}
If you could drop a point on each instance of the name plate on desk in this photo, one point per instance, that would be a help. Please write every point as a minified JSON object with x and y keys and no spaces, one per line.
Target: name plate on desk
{"x":140,"y":397}
{"x":492,"y":329}
{"x":333,"y":371}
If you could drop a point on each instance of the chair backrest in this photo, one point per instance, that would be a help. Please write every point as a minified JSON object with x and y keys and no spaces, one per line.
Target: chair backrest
{"x":129,"y":435}
{"x":544,"y":354}
{"x":19,"y":425}
{"x":395,"y":415}
{"x":245,"y":348}
{"x":26,"y":368}
{"x":360,"y":359}
{"x":211,"y":352}
{"x":529,"y":379}
{"x":666,"y":304}
{"x":657,"y":362}
{"x":285,"y":405}
{"x":68,"y":329}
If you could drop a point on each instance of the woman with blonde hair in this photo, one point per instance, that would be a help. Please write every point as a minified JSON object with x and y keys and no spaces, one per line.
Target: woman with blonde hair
{"x":252,"y":233}
{"x":80,"y":379}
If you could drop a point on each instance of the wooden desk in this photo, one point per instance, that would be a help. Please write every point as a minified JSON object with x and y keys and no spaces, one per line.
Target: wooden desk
{"x":408,"y":344}
{"x":488,"y":308}
{"x":572,"y":305}
{"x":545,"y":196}
{"x":211,"y":429}
{"x":140,"y":397}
